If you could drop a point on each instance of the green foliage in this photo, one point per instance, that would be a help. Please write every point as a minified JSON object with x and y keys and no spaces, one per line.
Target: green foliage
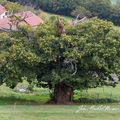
{"x":3,"y":2}
{"x":85,"y":56}
{"x":104,"y":9}
{"x":81,"y":11}
{"x":92,"y":46}
{"x":13,"y":6}
{"x":18,"y":59}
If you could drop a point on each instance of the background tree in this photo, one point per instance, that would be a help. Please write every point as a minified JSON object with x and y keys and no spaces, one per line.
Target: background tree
{"x":15,"y":7}
{"x":3,"y":2}
{"x":82,"y":12}
{"x":103,"y":9}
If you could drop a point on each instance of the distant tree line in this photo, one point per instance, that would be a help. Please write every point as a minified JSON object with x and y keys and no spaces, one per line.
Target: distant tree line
{"x":101,"y":8}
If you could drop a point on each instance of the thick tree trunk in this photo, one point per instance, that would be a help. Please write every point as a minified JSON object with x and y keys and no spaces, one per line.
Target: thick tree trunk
{"x":63,"y":94}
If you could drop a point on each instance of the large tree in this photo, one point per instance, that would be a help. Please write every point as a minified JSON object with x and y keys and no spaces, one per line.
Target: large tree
{"x":63,"y":57}
{"x":85,"y":56}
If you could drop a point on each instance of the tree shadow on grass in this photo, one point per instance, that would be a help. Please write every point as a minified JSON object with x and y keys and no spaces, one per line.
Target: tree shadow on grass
{"x":10,"y":100}
{"x":101,"y":100}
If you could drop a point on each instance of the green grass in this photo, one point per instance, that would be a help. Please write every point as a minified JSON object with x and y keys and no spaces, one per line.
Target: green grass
{"x":41,"y":96}
{"x":46,"y":15}
{"x":103,"y":94}
{"x":9,"y":96}
{"x":21,"y":106}
{"x":52,"y":112}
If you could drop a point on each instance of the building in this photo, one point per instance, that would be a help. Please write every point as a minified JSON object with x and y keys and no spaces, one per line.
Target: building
{"x":27,"y":18}
{"x":30,"y":18}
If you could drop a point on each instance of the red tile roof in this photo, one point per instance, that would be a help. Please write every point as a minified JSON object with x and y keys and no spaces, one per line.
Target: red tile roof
{"x":30,"y":18}
{"x":2,"y":9}
{"x":4,"y":23}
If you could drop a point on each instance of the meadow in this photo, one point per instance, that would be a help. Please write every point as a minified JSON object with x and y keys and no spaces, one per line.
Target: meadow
{"x":33,"y":106}
{"x":52,"y":112}
{"x":42,"y":96}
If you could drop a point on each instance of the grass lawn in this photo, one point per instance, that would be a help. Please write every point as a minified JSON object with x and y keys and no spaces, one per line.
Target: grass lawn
{"x":9,"y":96}
{"x":41,"y":96}
{"x":103,"y":94}
{"x":52,"y":112}
{"x":21,"y":106}
{"x":46,"y":15}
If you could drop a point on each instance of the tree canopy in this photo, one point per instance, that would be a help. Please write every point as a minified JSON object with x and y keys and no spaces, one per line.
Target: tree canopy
{"x":85,"y":56}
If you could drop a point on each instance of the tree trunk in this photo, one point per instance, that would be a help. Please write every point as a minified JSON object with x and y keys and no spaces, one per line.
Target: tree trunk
{"x":63,"y":94}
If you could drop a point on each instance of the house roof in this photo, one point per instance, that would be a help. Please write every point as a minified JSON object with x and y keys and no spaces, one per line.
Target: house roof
{"x":2,"y":9}
{"x":30,"y":18}
{"x":4,"y":23}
